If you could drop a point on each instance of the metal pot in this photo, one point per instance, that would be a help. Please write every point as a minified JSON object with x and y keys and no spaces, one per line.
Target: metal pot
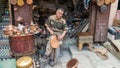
{"x":107,"y":2}
{"x":103,"y":8}
{"x":25,"y":62}
{"x":100,"y":2}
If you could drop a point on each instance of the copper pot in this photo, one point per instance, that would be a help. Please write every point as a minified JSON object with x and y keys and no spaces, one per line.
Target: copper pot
{"x":7,"y":32}
{"x":15,"y":31}
{"x":24,"y":62}
{"x":107,"y":2}
{"x":33,"y":28}
{"x":19,"y":33}
{"x":10,"y":33}
{"x":10,"y":27}
{"x":100,"y":2}
{"x":112,"y":1}
{"x":73,"y":63}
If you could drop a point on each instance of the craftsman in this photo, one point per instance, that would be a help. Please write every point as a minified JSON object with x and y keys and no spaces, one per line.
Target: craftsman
{"x":56,"y":25}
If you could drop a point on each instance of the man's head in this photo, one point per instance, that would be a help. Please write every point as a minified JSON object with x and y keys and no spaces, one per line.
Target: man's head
{"x":59,"y":13}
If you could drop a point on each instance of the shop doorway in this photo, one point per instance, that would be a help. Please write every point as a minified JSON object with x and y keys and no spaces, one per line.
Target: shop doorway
{"x":76,"y":13}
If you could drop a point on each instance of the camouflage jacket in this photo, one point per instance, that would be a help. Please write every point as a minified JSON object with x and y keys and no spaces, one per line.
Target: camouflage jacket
{"x":56,"y":25}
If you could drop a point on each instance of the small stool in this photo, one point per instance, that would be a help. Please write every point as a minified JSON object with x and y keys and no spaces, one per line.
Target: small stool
{"x":73,"y":63}
{"x":85,"y":39}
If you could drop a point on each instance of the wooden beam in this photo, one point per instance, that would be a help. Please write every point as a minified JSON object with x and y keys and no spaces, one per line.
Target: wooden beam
{"x":10,"y":12}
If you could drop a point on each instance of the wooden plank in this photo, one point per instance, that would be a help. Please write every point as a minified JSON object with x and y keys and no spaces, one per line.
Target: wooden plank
{"x":24,"y":11}
{"x":116,"y":43}
{"x":84,"y":34}
{"x":101,"y":25}
{"x":92,"y":18}
{"x":10,"y":12}
{"x":86,"y":28}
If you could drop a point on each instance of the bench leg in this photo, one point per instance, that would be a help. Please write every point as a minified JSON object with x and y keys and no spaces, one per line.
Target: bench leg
{"x":90,"y":46}
{"x":80,"y":46}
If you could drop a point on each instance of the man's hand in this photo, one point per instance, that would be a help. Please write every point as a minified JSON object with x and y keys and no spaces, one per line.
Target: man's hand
{"x":48,"y":28}
{"x":51,"y":32}
{"x":60,"y":37}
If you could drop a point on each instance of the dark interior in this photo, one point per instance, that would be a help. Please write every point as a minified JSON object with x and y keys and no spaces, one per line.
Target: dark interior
{"x":76,"y":12}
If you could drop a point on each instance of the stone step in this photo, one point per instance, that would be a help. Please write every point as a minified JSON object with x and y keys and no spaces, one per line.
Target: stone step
{"x":74,"y":50}
{"x":89,"y":59}
{"x":65,"y":58}
{"x":83,"y":61}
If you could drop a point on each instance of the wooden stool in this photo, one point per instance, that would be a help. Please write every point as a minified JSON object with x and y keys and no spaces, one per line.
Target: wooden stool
{"x":85,"y":39}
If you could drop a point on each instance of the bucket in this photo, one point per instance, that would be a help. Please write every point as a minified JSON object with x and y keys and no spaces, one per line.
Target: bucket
{"x":22,"y":44}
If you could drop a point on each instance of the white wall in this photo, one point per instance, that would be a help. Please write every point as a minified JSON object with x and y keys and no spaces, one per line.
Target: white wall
{"x":112,"y":12}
